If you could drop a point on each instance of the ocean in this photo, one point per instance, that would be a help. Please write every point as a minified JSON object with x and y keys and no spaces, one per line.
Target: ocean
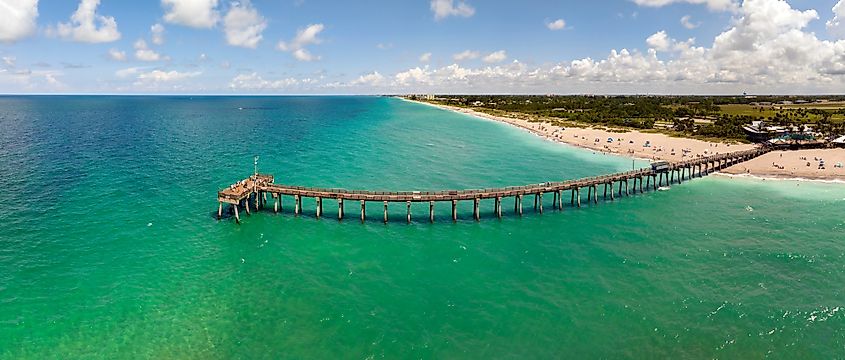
{"x":110,"y":246}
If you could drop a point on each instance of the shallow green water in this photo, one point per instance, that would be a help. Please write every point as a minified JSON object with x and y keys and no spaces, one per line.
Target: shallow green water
{"x":109,"y":247}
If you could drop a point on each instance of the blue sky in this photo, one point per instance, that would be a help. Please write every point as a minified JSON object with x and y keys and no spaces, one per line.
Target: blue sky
{"x":473,"y":46}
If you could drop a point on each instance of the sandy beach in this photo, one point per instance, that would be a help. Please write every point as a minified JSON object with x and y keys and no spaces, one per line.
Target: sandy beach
{"x":779,"y":164}
{"x":801,"y":164}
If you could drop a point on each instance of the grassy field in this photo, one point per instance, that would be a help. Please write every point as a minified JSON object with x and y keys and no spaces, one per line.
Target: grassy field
{"x":833,"y":105}
{"x":767,"y":111}
{"x":742,"y":109}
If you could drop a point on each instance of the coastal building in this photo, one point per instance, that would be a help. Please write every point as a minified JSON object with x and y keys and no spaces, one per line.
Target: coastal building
{"x":758,"y":131}
{"x":839,"y":142}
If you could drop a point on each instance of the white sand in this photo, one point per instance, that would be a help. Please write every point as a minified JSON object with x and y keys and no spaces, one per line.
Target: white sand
{"x":794,"y":164}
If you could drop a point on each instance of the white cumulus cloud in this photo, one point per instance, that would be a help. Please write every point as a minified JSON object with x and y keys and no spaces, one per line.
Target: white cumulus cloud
{"x":243,"y":25}
{"x":445,"y":8}
{"x":717,"y":5}
{"x":157,"y":32}
{"x":304,"y":37}
{"x":558,"y":24}
{"x":87,"y":26}
{"x":836,"y":25}
{"x":18,"y":20}
{"x":124,"y":73}
{"x":117,"y":55}
{"x":201,"y":14}
{"x":144,"y":53}
{"x":466,"y":55}
{"x":253,"y":81}
{"x":767,"y":48}
{"x":496,"y":57}
{"x":686,"y":21}
{"x":154,"y":78}
{"x":659,"y":41}
{"x":424,"y":58}
{"x":372,"y":79}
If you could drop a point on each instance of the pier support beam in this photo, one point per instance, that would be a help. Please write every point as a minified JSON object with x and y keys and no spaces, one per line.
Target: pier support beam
{"x":246,"y":204}
{"x":319,"y":206}
{"x":340,"y":208}
{"x":277,"y":199}
{"x":431,"y":211}
{"x":454,"y":210}
{"x":220,"y":210}
{"x":385,"y":212}
{"x":627,"y":193}
{"x":578,"y":196}
{"x":409,"y":211}
{"x":605,"y":191}
{"x":475,"y":212}
{"x":589,"y":194}
{"x":297,"y":207}
{"x":237,"y":216}
{"x":559,"y":201}
{"x":540,"y":197}
{"x":519,"y":204}
{"x":499,"y":207}
{"x":363,"y":211}
{"x":572,"y":196}
{"x":641,"y":184}
{"x":595,"y":194}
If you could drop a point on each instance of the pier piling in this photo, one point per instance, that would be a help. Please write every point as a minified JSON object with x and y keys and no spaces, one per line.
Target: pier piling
{"x":540,"y":199}
{"x":340,"y":208}
{"x":578,"y":196}
{"x":431,"y":211}
{"x":499,"y":207}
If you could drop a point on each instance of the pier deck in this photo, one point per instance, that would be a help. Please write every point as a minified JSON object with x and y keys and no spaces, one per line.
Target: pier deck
{"x":255,"y":189}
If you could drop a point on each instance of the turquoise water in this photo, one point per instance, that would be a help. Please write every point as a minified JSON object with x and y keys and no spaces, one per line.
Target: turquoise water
{"x":109,"y":247}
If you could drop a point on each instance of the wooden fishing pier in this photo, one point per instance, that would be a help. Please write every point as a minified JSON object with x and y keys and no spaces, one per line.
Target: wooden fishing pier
{"x":254,"y":190}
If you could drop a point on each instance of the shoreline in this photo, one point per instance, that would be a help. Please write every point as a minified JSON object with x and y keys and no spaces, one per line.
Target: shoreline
{"x":778,"y":177}
{"x":799,"y":165}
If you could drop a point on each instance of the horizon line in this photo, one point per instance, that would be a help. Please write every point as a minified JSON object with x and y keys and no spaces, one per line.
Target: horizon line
{"x":411,"y":93}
